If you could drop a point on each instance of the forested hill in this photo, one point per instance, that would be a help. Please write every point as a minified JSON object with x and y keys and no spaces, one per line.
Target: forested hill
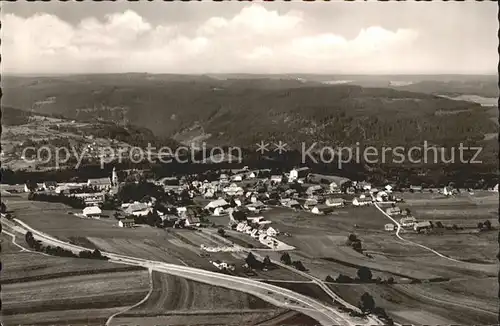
{"x":244,"y":111}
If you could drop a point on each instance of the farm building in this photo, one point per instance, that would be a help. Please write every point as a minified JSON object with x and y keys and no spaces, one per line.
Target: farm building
{"x":49,"y":185}
{"x":321,"y":209}
{"x":217,"y":203}
{"x":91,"y":199}
{"x":92,"y":211}
{"x":362,"y":201}
{"x":138,"y":209}
{"x":422,"y":226}
{"x":335,"y":202}
{"x":393,"y":211}
{"x":408,"y":221}
{"x":126,"y":223}
{"x":389,"y":227}
{"x":192,"y":221}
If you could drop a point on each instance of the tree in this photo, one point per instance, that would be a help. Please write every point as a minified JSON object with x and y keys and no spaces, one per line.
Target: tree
{"x":480,"y":226}
{"x":390,"y":280}
{"x":285,"y":259}
{"x":299,"y":266}
{"x":352,"y":237}
{"x":3,"y":208}
{"x":364,"y":274}
{"x":367,"y":303}
{"x":343,"y":279}
{"x":487,"y":224}
{"x":251,"y":261}
{"x":29,"y":238}
{"x":329,"y":279}
{"x":221,"y":232}
{"x":357,"y":246}
{"x":408,"y":211}
{"x":267,"y":261}
{"x":239,"y":216}
{"x":439,"y":225}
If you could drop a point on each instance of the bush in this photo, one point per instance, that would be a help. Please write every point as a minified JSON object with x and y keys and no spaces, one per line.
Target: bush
{"x":221,"y":232}
{"x":390,"y":280}
{"x":285,"y":259}
{"x":364,"y":274}
{"x":367,"y":303}
{"x":329,"y":279}
{"x":343,"y":279}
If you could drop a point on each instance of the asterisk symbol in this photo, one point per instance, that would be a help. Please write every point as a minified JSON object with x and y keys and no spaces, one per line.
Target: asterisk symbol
{"x":262,"y":147}
{"x":280,"y":147}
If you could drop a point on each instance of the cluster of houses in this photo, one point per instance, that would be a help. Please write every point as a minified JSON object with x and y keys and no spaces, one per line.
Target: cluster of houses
{"x":406,"y":220}
{"x":92,"y":192}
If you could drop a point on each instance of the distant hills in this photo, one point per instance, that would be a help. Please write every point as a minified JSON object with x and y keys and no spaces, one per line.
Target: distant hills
{"x":244,"y":109}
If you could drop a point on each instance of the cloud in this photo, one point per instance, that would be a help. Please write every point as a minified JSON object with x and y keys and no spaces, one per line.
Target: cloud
{"x":255,"y":39}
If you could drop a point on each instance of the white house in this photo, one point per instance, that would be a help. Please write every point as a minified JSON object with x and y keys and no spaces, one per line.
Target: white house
{"x":237,"y":177}
{"x":495,"y":188}
{"x":271,"y":232}
{"x":293,"y":175}
{"x":389,"y":227}
{"x":126,"y":223}
{"x":334,"y":202}
{"x":277,"y":178}
{"x":218,"y":211}
{"x":92,"y":211}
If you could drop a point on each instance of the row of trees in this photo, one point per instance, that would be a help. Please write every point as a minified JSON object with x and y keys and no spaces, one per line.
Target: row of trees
{"x":61,"y":252}
{"x":354,"y":242}
{"x":254,"y":263}
{"x":71,"y":201}
{"x":363,"y":275}
{"x":287,"y":260}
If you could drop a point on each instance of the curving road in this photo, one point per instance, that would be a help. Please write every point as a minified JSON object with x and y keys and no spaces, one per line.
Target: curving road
{"x":411,"y":242}
{"x":278,"y":296}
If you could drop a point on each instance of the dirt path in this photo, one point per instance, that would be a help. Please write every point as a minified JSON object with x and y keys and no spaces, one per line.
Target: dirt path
{"x":414,"y":243}
{"x":150,"y":272}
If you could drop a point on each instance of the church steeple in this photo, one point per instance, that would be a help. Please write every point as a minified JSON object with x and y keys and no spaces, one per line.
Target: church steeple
{"x":114,"y":177}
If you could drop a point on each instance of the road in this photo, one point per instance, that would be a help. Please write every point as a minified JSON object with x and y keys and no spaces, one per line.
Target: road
{"x":411,"y":242}
{"x":275,"y":295}
{"x":372,"y":320}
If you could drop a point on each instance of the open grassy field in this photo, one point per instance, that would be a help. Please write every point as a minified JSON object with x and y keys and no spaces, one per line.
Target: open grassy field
{"x":465,"y":302}
{"x":38,"y":289}
{"x":179,"y":301}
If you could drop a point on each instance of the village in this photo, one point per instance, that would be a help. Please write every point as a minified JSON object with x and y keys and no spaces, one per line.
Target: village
{"x":238,"y":197}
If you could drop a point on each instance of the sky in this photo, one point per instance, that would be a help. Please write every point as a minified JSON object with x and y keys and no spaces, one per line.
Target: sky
{"x":242,"y":37}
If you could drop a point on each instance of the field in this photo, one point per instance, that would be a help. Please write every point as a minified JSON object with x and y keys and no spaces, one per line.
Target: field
{"x":180,"y":301}
{"x":39,"y":289}
{"x":461,"y":302}
{"x":321,"y":247}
